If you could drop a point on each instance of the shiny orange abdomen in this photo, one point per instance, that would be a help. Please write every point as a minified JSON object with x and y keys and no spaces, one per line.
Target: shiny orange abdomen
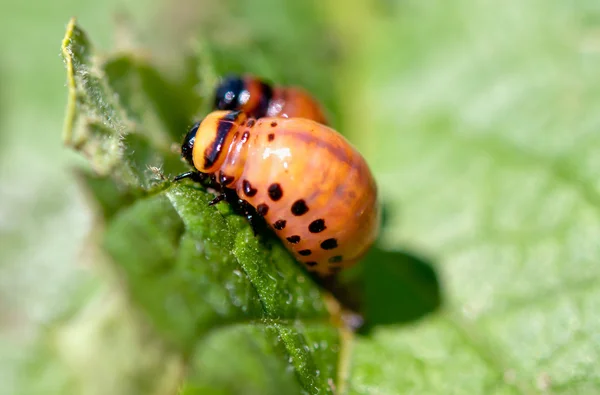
{"x":310,"y":185}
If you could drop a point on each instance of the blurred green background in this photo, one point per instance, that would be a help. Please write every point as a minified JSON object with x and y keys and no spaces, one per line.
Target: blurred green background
{"x":43,"y":218}
{"x":480,"y":120}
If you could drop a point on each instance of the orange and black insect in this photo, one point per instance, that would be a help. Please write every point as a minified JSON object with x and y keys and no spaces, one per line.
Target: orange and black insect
{"x":259,"y":99}
{"x":309,"y":184}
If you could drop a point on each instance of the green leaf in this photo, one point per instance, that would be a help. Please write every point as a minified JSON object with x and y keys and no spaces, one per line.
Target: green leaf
{"x":480,"y":127}
{"x":161,"y":107}
{"x":122,"y":114}
{"x":488,"y":157}
{"x":196,"y":282}
{"x":398,"y":288}
{"x":194,"y":267}
{"x":271,"y":358}
{"x":480,"y":123}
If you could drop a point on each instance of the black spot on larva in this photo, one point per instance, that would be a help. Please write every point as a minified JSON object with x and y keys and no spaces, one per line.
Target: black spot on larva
{"x":293,"y":239}
{"x":279,"y":224}
{"x":335,"y":259}
{"x":273,"y":124}
{"x":271,"y":136}
{"x":311,"y":263}
{"x":245,"y":136}
{"x":262,"y":209}
{"x":224,"y":179}
{"x":275,"y":192}
{"x":329,"y":244}
{"x":305,"y":252}
{"x":318,"y":225}
{"x":251,"y":123}
{"x":248,"y":190}
{"x":299,"y":207}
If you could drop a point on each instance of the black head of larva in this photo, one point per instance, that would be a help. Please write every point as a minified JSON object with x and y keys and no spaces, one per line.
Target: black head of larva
{"x":188,"y":144}
{"x":228,"y":93}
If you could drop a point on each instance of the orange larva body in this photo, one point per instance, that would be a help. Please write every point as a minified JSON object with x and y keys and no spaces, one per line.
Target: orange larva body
{"x":259,"y":99}
{"x":311,"y":186}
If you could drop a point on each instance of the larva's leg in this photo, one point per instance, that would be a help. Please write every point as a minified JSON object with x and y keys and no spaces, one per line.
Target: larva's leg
{"x":251,"y":214}
{"x":206,"y":180}
{"x":217,"y":199}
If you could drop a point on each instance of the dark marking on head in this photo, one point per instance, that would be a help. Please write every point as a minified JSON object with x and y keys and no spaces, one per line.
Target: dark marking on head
{"x":280,"y":224}
{"x":224,"y":179}
{"x":251,"y":122}
{"x":299,"y":207}
{"x":271,"y":136}
{"x":305,"y":252}
{"x":295,"y":239}
{"x":262,"y":209}
{"x":248,"y":190}
{"x":275,"y":191}
{"x":227,"y":93}
{"x":317,"y":226}
{"x":335,"y":259}
{"x":310,"y":263}
{"x":213,"y":151}
{"x":329,"y":244}
{"x":273,"y":124}
{"x":188,"y":144}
